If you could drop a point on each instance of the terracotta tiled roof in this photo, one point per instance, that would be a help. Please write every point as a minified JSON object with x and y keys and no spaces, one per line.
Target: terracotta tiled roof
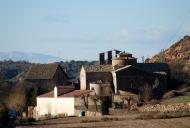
{"x":60,"y":91}
{"x":73,"y":93}
{"x":64,"y":89}
{"x":76,"y":93}
{"x":47,"y":95}
{"x":98,"y":68}
{"x":42,"y":71}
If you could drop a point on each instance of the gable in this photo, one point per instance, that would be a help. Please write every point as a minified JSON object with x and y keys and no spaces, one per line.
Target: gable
{"x":60,"y":74}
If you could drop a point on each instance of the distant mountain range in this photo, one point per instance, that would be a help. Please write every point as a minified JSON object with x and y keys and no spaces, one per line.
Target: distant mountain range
{"x":31,"y":57}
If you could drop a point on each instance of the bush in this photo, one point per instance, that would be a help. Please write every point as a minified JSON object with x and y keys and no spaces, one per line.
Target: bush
{"x":179,"y":73}
{"x":16,"y":100}
{"x":146,"y":93}
{"x":3,"y":114}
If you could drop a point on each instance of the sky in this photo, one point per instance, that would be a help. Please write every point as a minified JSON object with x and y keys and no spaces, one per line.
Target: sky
{"x":80,"y":29}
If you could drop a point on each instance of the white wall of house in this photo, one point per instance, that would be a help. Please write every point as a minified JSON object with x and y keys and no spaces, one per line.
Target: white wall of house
{"x":114,"y":81}
{"x":82,"y":79}
{"x":55,"y":106}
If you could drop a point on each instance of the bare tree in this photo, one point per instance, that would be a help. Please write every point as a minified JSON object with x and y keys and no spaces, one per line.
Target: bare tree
{"x":143,"y":59}
{"x":85,"y":100}
{"x":95,"y":99}
{"x":146,"y":92}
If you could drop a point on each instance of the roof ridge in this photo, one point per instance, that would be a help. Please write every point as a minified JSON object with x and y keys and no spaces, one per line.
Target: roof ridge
{"x":98,"y":68}
{"x":119,"y":69}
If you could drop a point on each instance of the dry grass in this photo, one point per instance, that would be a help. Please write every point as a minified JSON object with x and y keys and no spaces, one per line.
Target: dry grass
{"x":163,"y":115}
{"x":102,"y":119}
{"x":179,"y":99}
{"x":76,"y":122}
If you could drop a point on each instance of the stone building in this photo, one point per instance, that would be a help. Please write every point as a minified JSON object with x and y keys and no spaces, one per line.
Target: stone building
{"x":92,"y":73}
{"x":46,"y":76}
{"x":123,"y":73}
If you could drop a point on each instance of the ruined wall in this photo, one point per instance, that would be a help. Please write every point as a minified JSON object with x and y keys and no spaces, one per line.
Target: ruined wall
{"x":133,"y":83}
{"x":88,"y":104}
{"x":95,"y":76}
{"x":162,"y":80}
{"x":131,"y":79}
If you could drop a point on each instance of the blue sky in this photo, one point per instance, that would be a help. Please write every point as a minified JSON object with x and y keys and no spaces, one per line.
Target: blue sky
{"x":79,"y":29}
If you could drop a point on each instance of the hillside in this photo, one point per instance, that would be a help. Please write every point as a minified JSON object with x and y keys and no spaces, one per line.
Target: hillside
{"x":10,"y":69}
{"x":15,"y":70}
{"x":178,"y":58}
{"x":178,"y":51}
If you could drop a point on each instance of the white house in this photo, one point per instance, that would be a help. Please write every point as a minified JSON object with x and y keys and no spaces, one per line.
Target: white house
{"x":60,"y":101}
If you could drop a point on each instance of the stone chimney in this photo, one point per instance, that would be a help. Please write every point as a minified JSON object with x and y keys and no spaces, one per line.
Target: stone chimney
{"x":101,"y":59}
{"x":55,"y":92}
{"x":109,"y":57}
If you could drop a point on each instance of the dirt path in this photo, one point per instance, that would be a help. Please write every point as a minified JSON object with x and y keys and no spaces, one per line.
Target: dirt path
{"x":76,"y":122}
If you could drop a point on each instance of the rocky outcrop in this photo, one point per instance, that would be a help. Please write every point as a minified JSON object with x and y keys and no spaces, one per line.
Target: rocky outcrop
{"x":178,"y":51}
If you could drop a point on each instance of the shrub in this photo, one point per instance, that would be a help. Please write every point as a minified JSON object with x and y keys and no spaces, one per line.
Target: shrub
{"x":3,"y":114}
{"x":146,"y":93}
{"x":31,"y":97}
{"x":179,"y":74}
{"x":16,"y":100}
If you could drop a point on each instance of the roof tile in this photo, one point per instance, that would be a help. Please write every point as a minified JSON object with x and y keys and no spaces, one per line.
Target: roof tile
{"x":98,"y":68}
{"x":41,"y":71}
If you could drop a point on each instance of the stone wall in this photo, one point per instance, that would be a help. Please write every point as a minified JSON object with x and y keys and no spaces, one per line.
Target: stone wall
{"x":90,"y":108}
{"x":89,"y":113}
{"x":122,"y":99}
{"x":165,"y":108}
{"x":105,"y":77}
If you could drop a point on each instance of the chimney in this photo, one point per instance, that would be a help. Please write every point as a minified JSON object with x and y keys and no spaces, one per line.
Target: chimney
{"x":117,"y":52}
{"x":101,"y":59}
{"x":55,"y":92}
{"x":109,"y":57}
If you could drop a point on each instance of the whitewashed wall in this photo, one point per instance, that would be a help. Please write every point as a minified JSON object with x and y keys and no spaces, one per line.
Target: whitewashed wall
{"x":55,"y":106}
{"x":115,"y":82}
{"x":82,"y":79}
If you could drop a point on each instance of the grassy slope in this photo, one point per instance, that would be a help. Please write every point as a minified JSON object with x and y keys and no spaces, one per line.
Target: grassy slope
{"x":179,"y":99}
